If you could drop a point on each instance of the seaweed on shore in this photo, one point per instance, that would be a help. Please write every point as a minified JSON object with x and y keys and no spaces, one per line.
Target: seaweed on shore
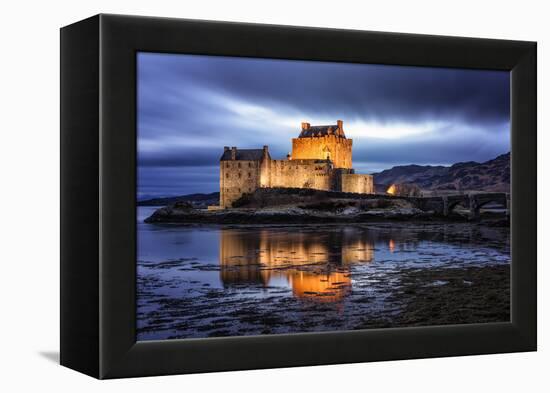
{"x":459,"y":296}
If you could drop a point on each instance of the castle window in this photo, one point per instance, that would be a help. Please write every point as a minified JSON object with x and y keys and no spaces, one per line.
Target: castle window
{"x":240,"y":175}
{"x":227,"y":175}
{"x":249,"y":175}
{"x":250,"y":165}
{"x":239,"y":165}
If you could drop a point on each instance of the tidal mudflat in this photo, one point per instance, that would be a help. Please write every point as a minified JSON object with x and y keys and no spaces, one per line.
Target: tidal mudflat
{"x":211,"y":280}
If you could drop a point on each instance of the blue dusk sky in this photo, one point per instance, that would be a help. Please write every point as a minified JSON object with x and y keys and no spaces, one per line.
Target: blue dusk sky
{"x":190,"y":107}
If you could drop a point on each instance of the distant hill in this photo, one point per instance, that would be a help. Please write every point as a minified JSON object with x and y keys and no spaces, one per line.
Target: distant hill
{"x":492,"y":175}
{"x":197,"y":200}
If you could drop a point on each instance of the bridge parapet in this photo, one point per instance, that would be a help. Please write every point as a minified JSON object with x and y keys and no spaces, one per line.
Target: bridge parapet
{"x":443,"y":205}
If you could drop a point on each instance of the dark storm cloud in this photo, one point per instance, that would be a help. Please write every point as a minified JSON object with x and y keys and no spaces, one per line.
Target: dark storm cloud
{"x":189,"y":107}
{"x":180,"y":157}
{"x":366,"y":91}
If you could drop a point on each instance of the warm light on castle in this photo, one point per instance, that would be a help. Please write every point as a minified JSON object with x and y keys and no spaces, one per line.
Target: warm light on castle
{"x":321,"y":159}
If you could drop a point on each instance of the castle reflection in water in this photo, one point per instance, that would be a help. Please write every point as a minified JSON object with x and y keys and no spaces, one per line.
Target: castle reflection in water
{"x":315,"y":267}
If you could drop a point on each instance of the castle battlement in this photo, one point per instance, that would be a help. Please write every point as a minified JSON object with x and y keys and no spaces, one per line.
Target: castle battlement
{"x":325,"y":142}
{"x":321,"y":159}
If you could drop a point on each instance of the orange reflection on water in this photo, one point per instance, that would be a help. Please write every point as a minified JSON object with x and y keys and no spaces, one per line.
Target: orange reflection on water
{"x":328,"y":287}
{"x":391,"y":245}
{"x":315,"y":268}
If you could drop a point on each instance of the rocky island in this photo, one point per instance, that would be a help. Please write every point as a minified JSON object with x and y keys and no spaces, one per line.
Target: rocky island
{"x":297,"y":205}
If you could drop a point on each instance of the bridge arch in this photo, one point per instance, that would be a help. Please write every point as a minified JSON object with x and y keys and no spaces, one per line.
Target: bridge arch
{"x":452,"y":201}
{"x":453,"y":204}
{"x":477,"y":201}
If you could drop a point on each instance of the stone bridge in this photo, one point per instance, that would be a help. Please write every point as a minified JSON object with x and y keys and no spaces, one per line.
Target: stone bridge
{"x":444,"y":205}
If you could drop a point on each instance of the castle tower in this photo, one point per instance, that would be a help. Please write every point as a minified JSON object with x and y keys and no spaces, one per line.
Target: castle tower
{"x":241,"y":172}
{"x":323,"y":142}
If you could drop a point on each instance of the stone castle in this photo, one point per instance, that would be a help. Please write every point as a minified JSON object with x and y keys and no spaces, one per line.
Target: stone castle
{"x":320,"y":159}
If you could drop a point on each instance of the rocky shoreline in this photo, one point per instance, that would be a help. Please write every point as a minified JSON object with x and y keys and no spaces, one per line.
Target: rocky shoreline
{"x":443,"y":296}
{"x":286,"y":215}
{"x":306,"y":206}
{"x":418,"y":297}
{"x":299,"y":215}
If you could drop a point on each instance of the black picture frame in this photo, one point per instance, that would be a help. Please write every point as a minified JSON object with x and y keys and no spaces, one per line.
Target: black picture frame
{"x":98,"y":196}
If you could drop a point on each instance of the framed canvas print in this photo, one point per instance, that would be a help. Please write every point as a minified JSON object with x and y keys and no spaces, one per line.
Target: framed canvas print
{"x":298,"y":196}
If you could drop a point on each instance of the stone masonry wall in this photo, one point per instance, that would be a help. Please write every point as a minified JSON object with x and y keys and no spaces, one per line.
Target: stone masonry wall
{"x":357,"y":183}
{"x":300,"y":174}
{"x":236,"y":178}
{"x":336,"y":148}
{"x":337,"y":177}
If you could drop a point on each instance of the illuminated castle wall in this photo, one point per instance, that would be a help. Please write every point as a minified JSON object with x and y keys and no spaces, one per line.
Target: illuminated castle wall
{"x":323,"y":142}
{"x":321,"y":159}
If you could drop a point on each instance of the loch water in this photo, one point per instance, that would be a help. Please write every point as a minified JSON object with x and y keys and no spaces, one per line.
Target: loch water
{"x":228,"y":280}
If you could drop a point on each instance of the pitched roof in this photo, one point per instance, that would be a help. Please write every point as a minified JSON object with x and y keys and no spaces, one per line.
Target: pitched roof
{"x":243,"y":155}
{"x":313,"y":131}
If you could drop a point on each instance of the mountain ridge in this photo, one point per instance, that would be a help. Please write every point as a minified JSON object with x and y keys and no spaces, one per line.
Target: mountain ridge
{"x":492,"y":175}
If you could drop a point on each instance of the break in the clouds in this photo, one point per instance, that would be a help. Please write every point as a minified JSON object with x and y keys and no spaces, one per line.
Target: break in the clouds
{"x":190,"y":106}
